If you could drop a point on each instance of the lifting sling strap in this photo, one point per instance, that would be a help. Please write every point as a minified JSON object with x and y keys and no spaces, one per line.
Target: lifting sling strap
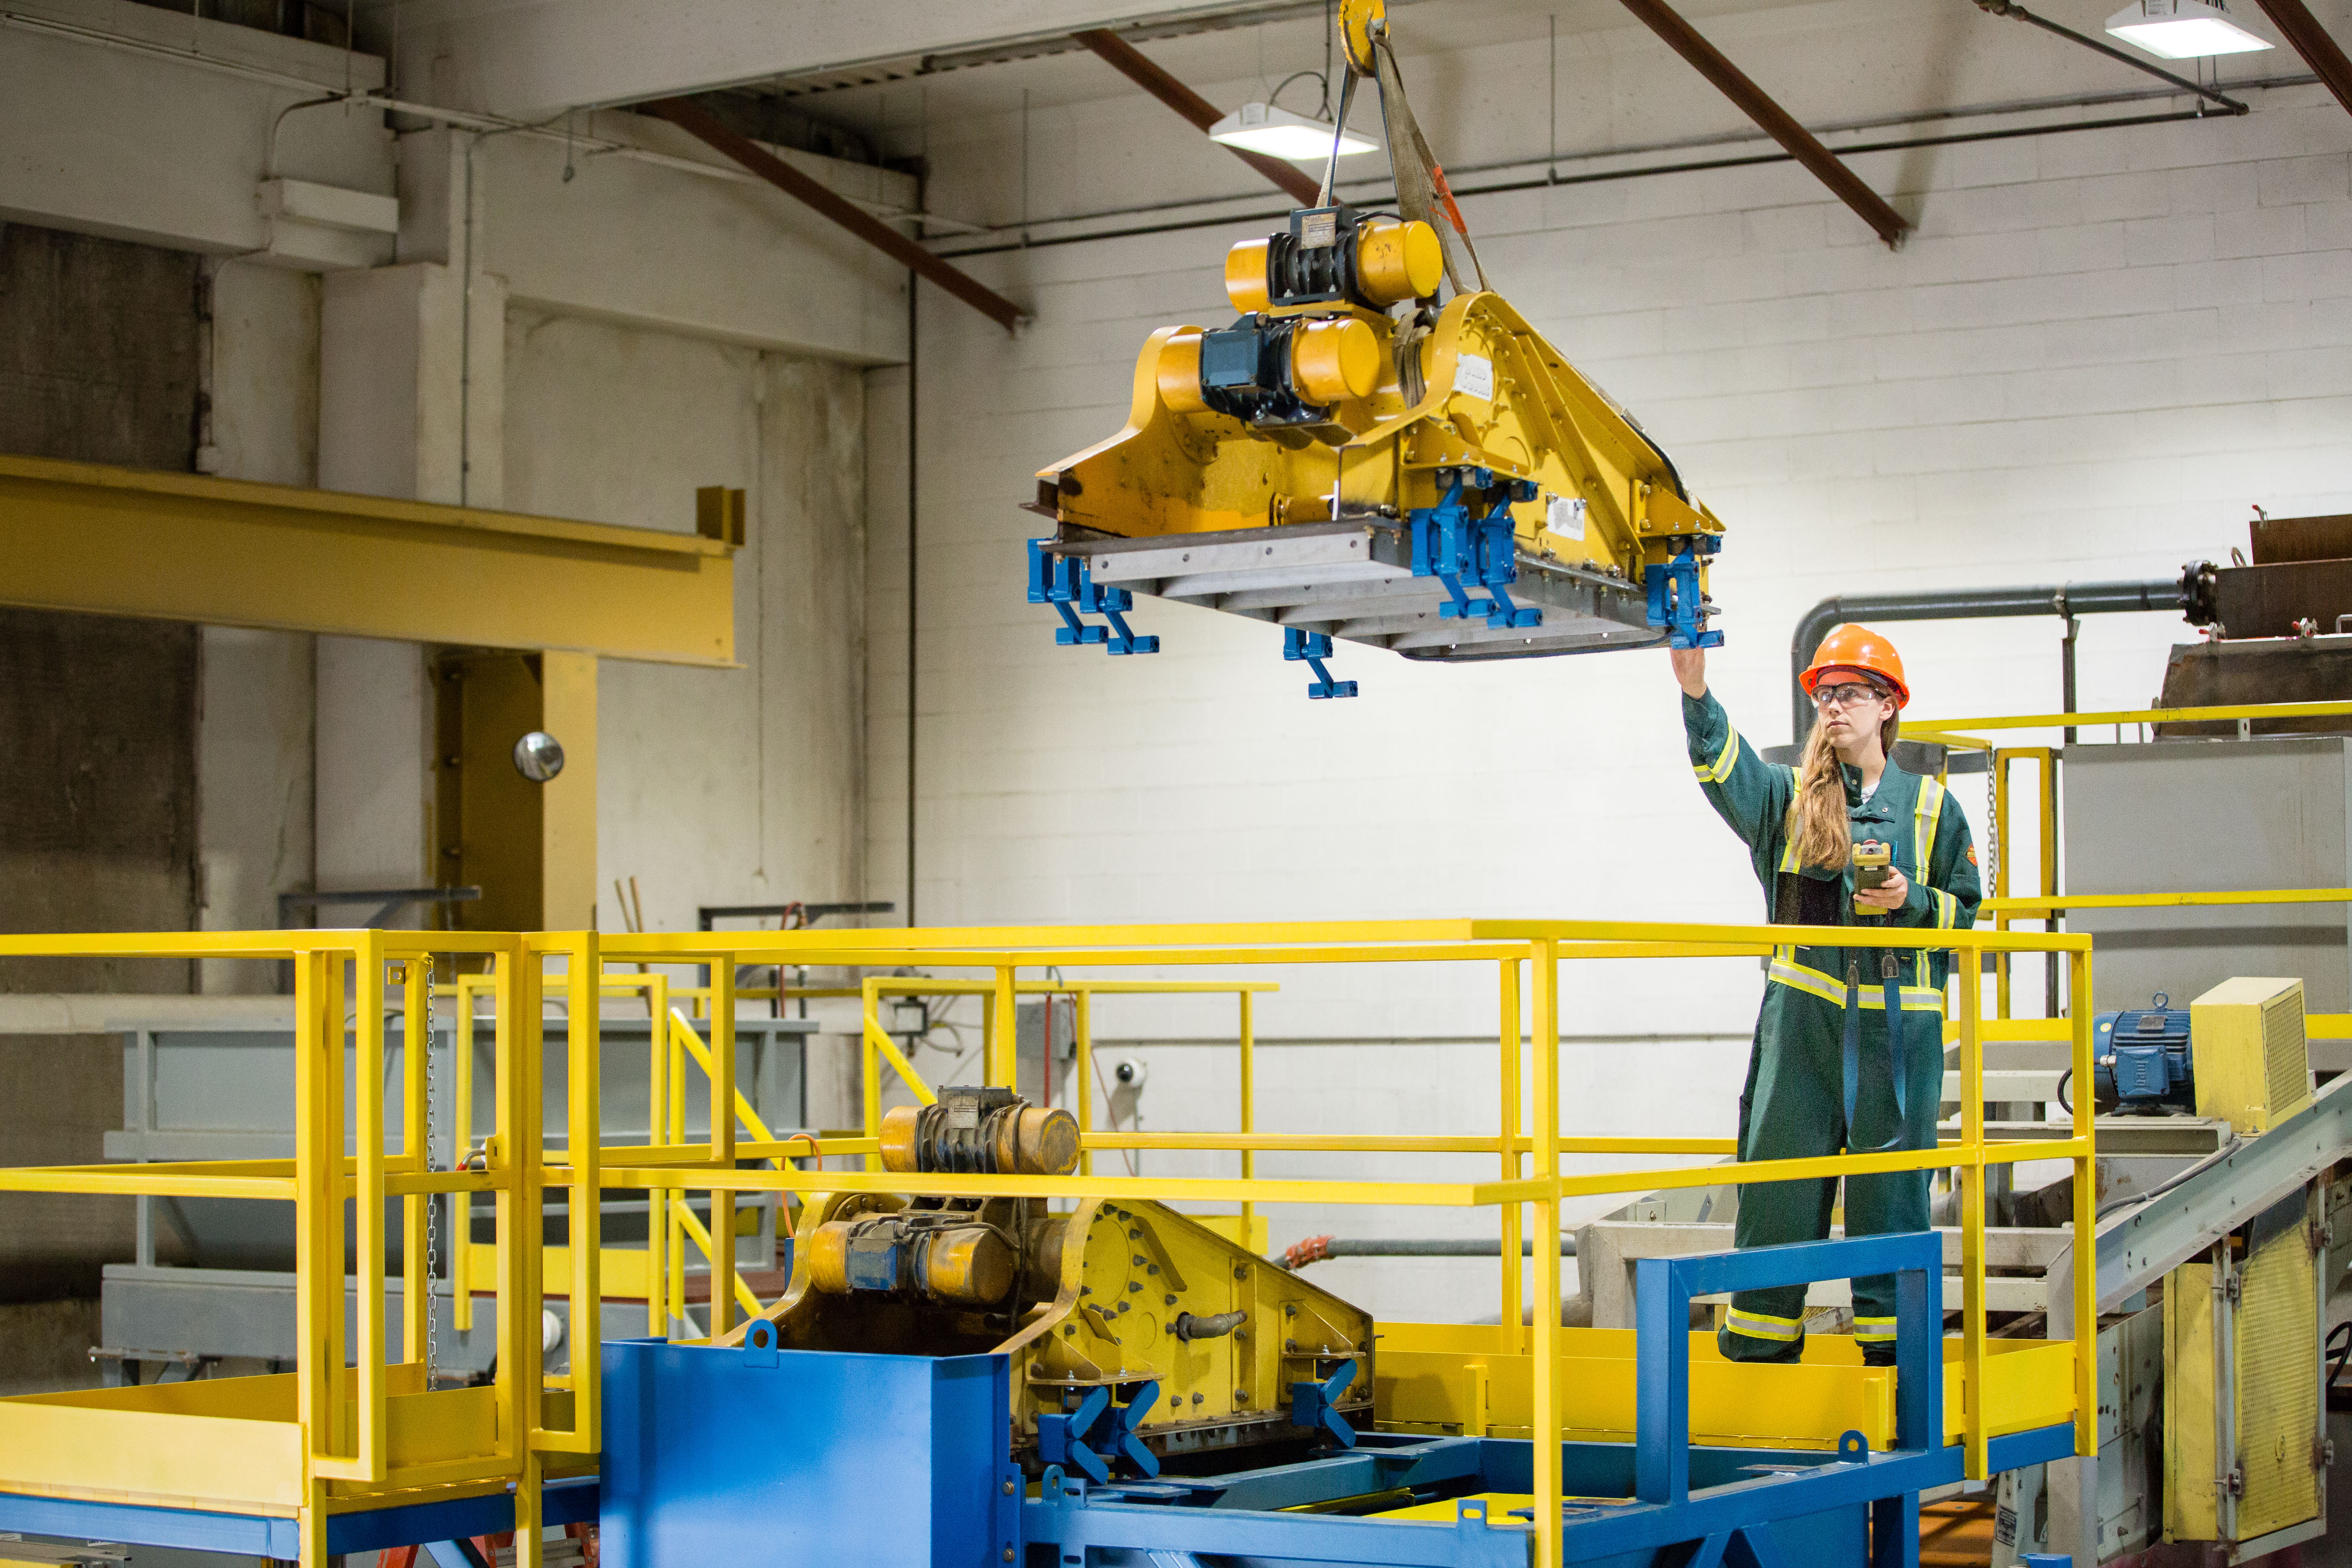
{"x":1891,"y":967}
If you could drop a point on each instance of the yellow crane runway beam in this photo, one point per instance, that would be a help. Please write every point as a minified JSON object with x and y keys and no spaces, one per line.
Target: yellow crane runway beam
{"x":185,"y":547}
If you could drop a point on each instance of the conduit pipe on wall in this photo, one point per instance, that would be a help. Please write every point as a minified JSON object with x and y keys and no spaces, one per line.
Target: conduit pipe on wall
{"x":2064,"y":600}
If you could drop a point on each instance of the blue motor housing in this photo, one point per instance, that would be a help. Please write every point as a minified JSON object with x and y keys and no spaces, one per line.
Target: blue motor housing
{"x":2140,"y":1060}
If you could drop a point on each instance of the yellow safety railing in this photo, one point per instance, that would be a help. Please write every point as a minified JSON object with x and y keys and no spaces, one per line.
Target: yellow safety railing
{"x":1528,"y":1188}
{"x":357,"y":1429}
{"x":355,"y":1419}
{"x":2047,"y":903}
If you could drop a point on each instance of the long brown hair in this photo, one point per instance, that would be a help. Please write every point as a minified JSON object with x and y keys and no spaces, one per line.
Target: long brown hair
{"x":1817,"y":817}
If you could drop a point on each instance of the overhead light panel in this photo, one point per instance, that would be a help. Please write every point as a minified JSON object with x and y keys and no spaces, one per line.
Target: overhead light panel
{"x":2183,"y":29}
{"x":1278,"y":133}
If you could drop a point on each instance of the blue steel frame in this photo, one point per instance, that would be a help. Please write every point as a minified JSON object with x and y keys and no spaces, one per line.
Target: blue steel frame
{"x":1765,"y":1507}
{"x":570,"y":1501}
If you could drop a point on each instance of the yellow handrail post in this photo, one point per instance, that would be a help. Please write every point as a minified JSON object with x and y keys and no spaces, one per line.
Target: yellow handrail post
{"x":870,"y":1073}
{"x":2086,"y":1251}
{"x":415,"y":1148}
{"x":674,"y":1237}
{"x":461,"y":1144}
{"x":1972,"y":1218}
{"x":584,"y":1035}
{"x":658,"y":1049}
{"x":367,"y":1209}
{"x":722,"y":1141}
{"x":319,"y":1212}
{"x":1249,"y":1100}
{"x":1083,"y":1031}
{"x":521,"y":1151}
{"x":1546,"y":956}
{"x":1004,"y":1033}
{"x":1507,"y":1145}
{"x":2050,"y":921}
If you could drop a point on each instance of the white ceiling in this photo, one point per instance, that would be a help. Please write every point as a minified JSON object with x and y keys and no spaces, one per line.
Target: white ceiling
{"x":529,"y":59}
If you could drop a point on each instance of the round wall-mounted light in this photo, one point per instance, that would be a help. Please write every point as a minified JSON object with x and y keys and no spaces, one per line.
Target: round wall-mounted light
{"x":538,"y":756}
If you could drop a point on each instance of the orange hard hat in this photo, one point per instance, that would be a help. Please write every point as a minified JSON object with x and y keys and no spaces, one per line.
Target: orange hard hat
{"x":1850,"y":646}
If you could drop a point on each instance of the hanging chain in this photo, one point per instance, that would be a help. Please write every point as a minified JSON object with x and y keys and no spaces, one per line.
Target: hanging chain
{"x":1992,"y":825}
{"x":432,"y":1202}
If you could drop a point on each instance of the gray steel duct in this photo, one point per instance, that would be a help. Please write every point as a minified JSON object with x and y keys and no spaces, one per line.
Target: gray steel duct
{"x":2065,"y":600}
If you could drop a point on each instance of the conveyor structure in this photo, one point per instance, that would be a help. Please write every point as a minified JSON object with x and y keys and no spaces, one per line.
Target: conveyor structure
{"x":1354,"y":458}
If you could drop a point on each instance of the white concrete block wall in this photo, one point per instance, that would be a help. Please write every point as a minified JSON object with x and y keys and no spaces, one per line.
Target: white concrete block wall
{"x":2097,"y":352}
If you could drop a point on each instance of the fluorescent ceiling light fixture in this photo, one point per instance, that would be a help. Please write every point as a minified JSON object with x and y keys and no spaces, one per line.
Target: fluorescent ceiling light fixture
{"x":2183,"y":29}
{"x":1278,"y":133}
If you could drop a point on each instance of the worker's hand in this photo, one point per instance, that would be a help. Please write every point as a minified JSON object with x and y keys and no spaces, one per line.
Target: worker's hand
{"x":1690,"y":669}
{"x":1889,"y":895}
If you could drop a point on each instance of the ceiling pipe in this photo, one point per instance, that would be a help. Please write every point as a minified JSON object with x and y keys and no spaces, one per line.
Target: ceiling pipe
{"x":698,"y":122}
{"x":2065,"y":600}
{"x":1778,"y":122}
{"x":2319,"y":51}
{"x":1144,"y":72}
{"x":2009,"y":8}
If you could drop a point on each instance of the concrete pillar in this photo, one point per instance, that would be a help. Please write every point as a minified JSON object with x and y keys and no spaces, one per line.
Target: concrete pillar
{"x":406,"y":408}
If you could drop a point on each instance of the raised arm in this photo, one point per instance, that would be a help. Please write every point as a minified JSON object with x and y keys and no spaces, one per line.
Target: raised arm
{"x":1748,"y":792}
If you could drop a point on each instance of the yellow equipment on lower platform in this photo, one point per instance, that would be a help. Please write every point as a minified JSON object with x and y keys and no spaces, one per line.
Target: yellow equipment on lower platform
{"x":1105,"y":1295}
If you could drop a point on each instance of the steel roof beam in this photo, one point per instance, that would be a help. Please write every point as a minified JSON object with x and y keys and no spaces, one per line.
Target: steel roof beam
{"x":1777,"y":123}
{"x":698,"y":122}
{"x":2320,"y":52}
{"x":1141,"y":69}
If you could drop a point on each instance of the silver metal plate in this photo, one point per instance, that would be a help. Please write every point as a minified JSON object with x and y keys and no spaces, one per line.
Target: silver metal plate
{"x":1354,"y":580}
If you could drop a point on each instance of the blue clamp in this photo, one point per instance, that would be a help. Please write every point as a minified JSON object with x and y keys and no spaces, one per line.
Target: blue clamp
{"x":1298,"y":643}
{"x":1067,"y":1439}
{"x":1065,"y":583}
{"x":1453,"y":546}
{"x":1676,"y":601}
{"x":1311,"y":1405}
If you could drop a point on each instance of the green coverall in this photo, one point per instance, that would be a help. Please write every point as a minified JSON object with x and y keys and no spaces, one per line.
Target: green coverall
{"x":1793,"y":1106}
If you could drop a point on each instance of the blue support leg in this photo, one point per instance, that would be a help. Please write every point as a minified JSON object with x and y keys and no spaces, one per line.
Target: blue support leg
{"x":1298,"y":643}
{"x":1311,"y":1402}
{"x":1067,"y":584}
{"x":1676,"y":602}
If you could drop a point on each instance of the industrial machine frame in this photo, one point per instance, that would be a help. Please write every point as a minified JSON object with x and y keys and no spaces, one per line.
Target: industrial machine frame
{"x":376,"y":1443}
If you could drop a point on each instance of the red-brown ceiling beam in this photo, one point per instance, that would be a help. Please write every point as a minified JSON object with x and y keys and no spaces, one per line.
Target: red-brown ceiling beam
{"x":1778,"y":122}
{"x":697,"y":122}
{"x":2319,"y":51}
{"x":1138,"y":67}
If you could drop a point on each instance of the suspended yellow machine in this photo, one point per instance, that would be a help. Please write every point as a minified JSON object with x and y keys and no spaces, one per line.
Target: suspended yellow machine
{"x":1352,"y":458}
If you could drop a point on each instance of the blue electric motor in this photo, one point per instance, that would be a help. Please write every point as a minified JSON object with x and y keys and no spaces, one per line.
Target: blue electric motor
{"x":2140,"y":1060}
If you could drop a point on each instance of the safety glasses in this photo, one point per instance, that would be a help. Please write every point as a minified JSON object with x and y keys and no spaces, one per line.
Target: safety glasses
{"x":1847,"y":696}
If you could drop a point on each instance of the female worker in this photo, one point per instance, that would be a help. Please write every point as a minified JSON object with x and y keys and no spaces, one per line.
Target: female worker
{"x":1817,"y":1084}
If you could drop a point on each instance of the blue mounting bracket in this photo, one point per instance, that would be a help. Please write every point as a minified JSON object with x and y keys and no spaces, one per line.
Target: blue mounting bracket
{"x":1068,"y":1440}
{"x":1298,"y":643}
{"x":1065,"y":583}
{"x":1676,"y":602}
{"x":1311,"y":1405}
{"x":1454,"y":547}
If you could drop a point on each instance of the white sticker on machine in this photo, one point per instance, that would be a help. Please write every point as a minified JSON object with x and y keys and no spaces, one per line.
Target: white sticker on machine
{"x":1564,"y":515}
{"x":1474,"y":374}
